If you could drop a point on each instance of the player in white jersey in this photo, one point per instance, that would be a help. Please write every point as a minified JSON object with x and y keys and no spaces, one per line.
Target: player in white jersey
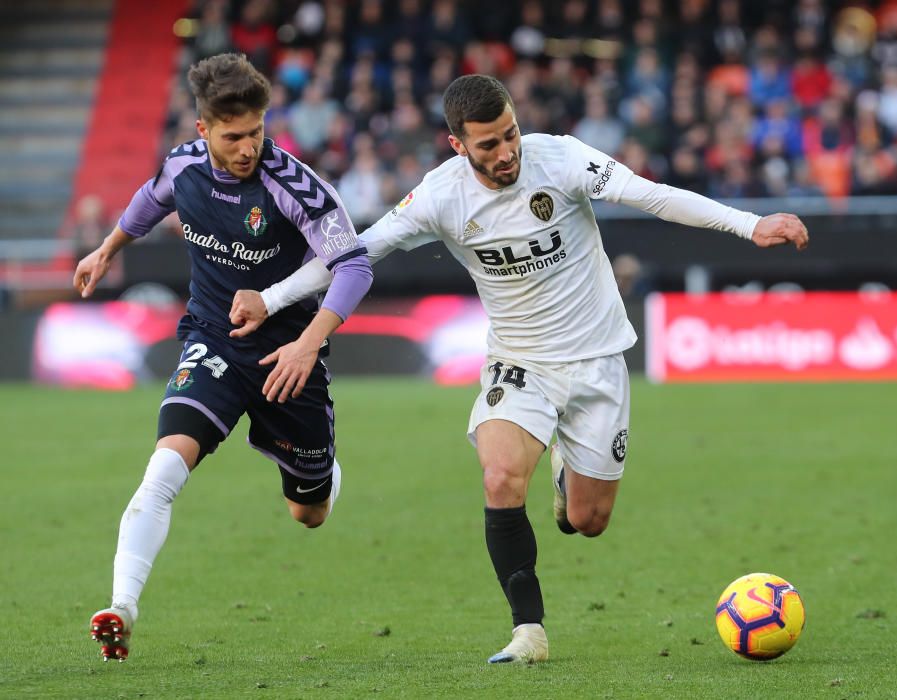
{"x":516,"y":213}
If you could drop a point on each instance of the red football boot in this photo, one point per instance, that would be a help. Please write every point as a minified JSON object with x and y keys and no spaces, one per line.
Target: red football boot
{"x":111,"y":628}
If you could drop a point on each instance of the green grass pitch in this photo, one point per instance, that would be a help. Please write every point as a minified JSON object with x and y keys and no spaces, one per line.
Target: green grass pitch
{"x":395,"y":596}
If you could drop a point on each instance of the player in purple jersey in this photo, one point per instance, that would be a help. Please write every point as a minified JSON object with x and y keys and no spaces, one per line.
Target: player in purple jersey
{"x":251,"y":214}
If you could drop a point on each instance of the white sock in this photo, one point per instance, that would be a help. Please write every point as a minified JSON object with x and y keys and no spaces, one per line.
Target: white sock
{"x":144,"y":526}
{"x":334,"y":486}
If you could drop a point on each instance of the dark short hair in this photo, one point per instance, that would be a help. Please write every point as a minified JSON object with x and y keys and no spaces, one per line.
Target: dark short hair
{"x":228,"y":85}
{"x":474,"y":98}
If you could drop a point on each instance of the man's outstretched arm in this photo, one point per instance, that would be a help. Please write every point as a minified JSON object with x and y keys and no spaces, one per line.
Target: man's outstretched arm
{"x":407,"y":227}
{"x":250,"y":309}
{"x":684,"y":207}
{"x":94,"y":267}
{"x":149,"y":205}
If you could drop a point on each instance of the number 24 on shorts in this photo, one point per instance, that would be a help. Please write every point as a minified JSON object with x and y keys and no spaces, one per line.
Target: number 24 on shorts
{"x":197,"y":350}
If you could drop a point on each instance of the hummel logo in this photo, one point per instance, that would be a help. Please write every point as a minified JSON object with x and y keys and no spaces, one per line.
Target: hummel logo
{"x":472,"y":229}
{"x":299,"y":489}
{"x":233,"y":199}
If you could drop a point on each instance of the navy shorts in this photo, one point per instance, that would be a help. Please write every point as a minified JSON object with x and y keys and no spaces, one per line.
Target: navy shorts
{"x":211,"y":388}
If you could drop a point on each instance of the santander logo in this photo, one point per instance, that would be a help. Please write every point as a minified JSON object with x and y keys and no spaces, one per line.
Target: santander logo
{"x":866,"y":347}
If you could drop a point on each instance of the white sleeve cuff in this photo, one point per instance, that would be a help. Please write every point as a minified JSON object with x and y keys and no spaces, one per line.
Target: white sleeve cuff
{"x":273,"y":299}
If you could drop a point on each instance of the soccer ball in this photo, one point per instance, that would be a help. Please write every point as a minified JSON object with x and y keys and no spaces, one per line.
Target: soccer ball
{"x":760,"y":616}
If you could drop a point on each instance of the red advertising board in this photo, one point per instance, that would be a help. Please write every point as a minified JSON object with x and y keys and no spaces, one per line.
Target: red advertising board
{"x":812,"y":336}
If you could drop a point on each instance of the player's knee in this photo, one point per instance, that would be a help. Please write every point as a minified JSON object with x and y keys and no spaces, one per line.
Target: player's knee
{"x":501,"y":482}
{"x":309,"y":515}
{"x":590,"y":523}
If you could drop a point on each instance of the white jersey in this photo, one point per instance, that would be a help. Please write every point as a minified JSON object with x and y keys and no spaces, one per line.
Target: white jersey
{"x":533,"y":248}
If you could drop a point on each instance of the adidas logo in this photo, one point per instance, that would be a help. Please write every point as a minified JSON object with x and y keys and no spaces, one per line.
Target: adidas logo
{"x":472,"y":229}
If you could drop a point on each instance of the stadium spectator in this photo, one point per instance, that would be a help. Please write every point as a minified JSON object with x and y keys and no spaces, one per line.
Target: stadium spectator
{"x":769,"y":79}
{"x":310,"y":118}
{"x":369,"y":35}
{"x":411,"y":24}
{"x":729,"y":38}
{"x":731,"y":77}
{"x":829,"y":130}
{"x":561,"y":91}
{"x":409,"y":171}
{"x":644,"y":124}
{"x":407,"y":133}
{"x":774,"y":177}
{"x":255,"y":36}
{"x":648,"y":80}
{"x":779,"y":126}
{"x":811,"y":82}
{"x":872,"y":173}
{"x":884,"y":50}
{"x":693,"y":67}
{"x":874,"y":168}
{"x":447,"y":27}
{"x":694,"y":30}
{"x":887,"y":103}
{"x":528,"y":38}
{"x":687,"y":171}
{"x":598,"y":128}
{"x":740,"y":114}
{"x":361,"y":186}
{"x":728,"y":145}
{"x":294,"y":71}
{"x":736,"y":181}
{"x":334,"y":159}
{"x":871,"y":135}
{"x":278,"y":129}
{"x":570,"y":23}
{"x":801,"y":183}
{"x":214,"y":33}
{"x":853,"y":35}
{"x":810,"y":16}
{"x":91,"y":223}
{"x":611,"y":20}
{"x":629,"y":274}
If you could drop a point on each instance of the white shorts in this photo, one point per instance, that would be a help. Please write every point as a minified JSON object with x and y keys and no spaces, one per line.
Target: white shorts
{"x":586,"y":402}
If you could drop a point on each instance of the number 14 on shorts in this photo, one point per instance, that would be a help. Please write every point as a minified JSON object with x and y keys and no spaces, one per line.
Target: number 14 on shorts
{"x":509,"y":374}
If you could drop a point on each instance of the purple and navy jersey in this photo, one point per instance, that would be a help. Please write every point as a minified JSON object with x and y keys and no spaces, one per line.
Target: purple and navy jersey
{"x":249,"y":234}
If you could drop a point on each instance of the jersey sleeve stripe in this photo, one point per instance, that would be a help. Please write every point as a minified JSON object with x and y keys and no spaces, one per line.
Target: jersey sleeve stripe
{"x":296,"y":180}
{"x":347,"y":256}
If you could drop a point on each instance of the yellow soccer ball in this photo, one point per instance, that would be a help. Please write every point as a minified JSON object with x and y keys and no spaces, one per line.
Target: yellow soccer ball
{"x":760,"y":616}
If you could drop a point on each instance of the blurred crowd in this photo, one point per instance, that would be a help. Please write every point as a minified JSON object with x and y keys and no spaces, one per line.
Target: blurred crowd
{"x":727,"y":97}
